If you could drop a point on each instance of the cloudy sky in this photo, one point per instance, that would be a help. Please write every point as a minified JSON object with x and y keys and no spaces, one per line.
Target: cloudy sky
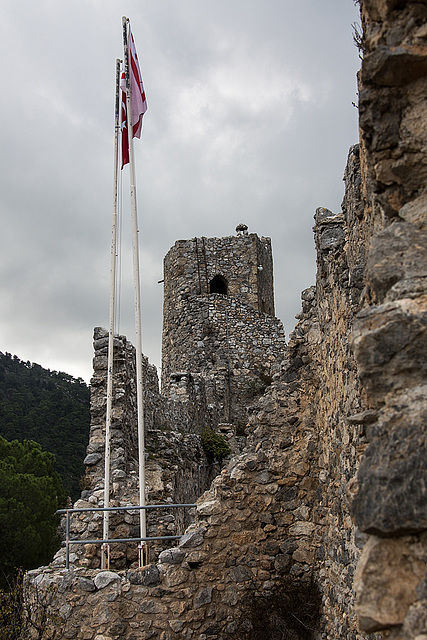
{"x":249,"y":119}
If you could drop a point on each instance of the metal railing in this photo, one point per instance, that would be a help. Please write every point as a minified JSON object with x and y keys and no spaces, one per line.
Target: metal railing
{"x":69,"y":541}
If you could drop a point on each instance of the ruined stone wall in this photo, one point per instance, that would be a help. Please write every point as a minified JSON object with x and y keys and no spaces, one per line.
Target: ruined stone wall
{"x":389,"y":336}
{"x":244,"y":567}
{"x":184,"y":409}
{"x":272,"y":548}
{"x":190,"y":265}
{"x":176,"y":467}
{"x":340,"y":408}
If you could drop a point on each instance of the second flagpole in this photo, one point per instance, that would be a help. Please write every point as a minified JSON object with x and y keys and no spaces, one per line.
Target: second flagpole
{"x":143,"y":548}
{"x":105,"y":552}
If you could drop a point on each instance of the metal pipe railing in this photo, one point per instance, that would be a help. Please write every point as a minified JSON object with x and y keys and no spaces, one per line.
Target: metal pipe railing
{"x":69,"y":541}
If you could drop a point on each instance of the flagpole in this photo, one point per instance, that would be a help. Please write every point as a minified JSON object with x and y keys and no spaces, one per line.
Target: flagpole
{"x":143,"y":548}
{"x":105,"y":552}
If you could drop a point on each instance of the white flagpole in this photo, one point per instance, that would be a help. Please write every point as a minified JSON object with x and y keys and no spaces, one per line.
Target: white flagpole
{"x":105,"y":553}
{"x":143,"y":548}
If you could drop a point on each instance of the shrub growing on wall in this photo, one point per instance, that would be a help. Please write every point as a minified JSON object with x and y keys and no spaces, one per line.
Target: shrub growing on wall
{"x":214,"y":445}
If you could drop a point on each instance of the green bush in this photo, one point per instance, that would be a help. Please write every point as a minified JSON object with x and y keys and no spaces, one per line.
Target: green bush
{"x":214,"y":445}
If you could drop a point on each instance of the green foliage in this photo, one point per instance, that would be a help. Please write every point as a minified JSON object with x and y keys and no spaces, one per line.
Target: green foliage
{"x":214,"y":445}
{"x":48,"y":407}
{"x":30,"y":493}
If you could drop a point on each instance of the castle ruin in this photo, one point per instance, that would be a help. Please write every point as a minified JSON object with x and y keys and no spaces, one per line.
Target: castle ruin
{"x":316,"y":526}
{"x":218,"y":320}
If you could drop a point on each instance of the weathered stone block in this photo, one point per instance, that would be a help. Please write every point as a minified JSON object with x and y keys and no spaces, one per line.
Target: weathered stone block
{"x":302,"y":528}
{"x":240,"y":574}
{"x":176,"y":625}
{"x":152,"y":607}
{"x":174,"y":576}
{"x":92,"y":458}
{"x":147,"y":576}
{"x":385,"y":581}
{"x":415,"y":211}
{"x":331,"y":238}
{"x":104,"y":578}
{"x":209,"y":508}
{"x":86,"y":585}
{"x":390,"y":343}
{"x":304,"y":555}
{"x":282,"y":562}
{"x":397,"y":252}
{"x":391,"y":496}
{"x":172,"y":556}
{"x":395,"y":66}
{"x":192,"y":539}
{"x":204,"y":596}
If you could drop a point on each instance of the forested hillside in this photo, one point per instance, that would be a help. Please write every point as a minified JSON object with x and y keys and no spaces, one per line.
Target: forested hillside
{"x":48,"y":407}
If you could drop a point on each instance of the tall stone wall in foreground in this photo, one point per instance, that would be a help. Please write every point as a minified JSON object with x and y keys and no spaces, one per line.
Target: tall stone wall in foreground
{"x":390,"y":334}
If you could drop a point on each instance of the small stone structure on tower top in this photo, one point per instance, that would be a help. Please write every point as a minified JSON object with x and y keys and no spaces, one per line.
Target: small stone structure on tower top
{"x":218,"y":320}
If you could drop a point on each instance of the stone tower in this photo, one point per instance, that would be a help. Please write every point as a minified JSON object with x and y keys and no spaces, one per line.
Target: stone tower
{"x":218,"y":320}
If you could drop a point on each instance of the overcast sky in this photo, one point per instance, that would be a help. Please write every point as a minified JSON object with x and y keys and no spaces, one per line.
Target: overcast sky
{"x":249,"y":119}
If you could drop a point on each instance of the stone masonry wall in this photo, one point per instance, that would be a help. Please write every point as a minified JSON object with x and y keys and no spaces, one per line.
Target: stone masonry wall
{"x":248,"y":554}
{"x":190,"y":265}
{"x":177,"y":469}
{"x":236,"y":350}
{"x":389,"y":335}
{"x":340,"y":409}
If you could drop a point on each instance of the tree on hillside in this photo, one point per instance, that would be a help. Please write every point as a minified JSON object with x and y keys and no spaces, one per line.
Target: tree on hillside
{"x":49,"y":407}
{"x":30,"y":493}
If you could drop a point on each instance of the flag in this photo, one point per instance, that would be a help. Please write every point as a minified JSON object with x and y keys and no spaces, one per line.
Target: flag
{"x":124,"y":122}
{"x":137,"y":98}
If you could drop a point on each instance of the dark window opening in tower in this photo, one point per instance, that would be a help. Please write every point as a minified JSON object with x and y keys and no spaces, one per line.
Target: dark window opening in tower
{"x":218,"y":285}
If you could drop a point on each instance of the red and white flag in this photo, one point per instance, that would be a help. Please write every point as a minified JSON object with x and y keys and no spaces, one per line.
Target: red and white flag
{"x":137,"y":100}
{"x":124,"y":122}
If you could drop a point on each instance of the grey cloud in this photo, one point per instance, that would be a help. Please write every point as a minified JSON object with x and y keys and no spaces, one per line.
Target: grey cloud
{"x":249,"y":119}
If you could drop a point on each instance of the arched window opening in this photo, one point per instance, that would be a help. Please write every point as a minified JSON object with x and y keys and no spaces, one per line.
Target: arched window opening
{"x":218,"y":285}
